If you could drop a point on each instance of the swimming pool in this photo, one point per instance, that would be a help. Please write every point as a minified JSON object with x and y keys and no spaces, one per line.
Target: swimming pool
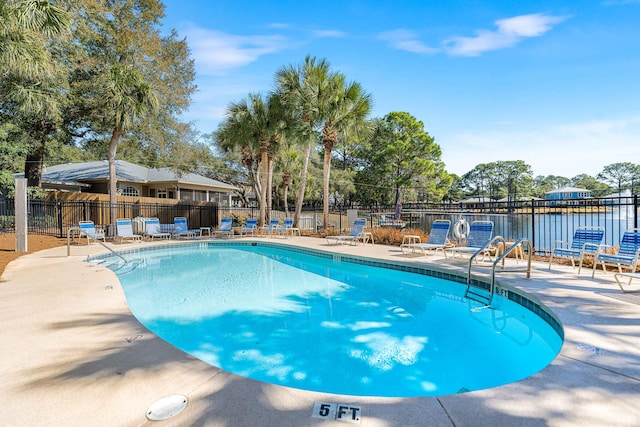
{"x":323,"y":323}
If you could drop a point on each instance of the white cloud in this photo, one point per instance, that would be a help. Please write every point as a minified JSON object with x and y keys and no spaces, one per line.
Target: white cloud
{"x":566,"y":150}
{"x":510,"y":32}
{"x":216,"y":53}
{"x":406,"y":40}
{"x":618,"y":2}
{"x":328,"y":33}
{"x":278,"y":25}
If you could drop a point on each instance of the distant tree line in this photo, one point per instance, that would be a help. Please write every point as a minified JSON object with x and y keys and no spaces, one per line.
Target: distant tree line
{"x":514,"y":180}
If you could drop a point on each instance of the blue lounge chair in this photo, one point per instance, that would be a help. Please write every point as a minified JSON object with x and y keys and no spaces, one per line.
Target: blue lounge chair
{"x":226,"y":227}
{"x":153,"y":230}
{"x":586,"y":241}
{"x":437,"y":239}
{"x":288,"y":228}
{"x":250,"y":227}
{"x":124,"y":231}
{"x":181,"y":228}
{"x":89,"y":230}
{"x":480,"y":234}
{"x":357,"y":234}
{"x":274,"y":224}
{"x":626,"y":256}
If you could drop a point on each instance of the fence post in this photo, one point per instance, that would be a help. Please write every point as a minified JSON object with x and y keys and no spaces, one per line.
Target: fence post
{"x":59,"y":216}
{"x":20,"y":214}
{"x":635,"y":211}
{"x":533,"y":223}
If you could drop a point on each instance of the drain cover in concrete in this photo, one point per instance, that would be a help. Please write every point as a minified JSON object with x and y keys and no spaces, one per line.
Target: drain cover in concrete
{"x":167,"y":407}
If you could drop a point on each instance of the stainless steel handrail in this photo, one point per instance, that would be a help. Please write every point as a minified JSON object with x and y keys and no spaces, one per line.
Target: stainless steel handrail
{"x":501,"y":258}
{"x":82,"y":232}
{"x":498,"y":239}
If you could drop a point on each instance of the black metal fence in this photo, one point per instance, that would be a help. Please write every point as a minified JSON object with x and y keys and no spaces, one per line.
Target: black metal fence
{"x":55,"y":217}
{"x":540,"y":221}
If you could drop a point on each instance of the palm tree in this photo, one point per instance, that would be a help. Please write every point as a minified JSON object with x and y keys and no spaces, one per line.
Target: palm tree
{"x":31,"y":81}
{"x":345,"y":105}
{"x":323,"y":100}
{"x":25,"y":29}
{"x":298,"y":87}
{"x":233,"y":134}
{"x":288,"y":164}
{"x":255,"y":123}
{"x":127,"y":96}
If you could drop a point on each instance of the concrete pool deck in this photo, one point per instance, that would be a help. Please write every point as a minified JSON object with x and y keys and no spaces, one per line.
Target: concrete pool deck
{"x":73,"y":355}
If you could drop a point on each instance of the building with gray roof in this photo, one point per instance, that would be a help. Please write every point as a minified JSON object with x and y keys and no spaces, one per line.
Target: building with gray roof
{"x":136,"y":180}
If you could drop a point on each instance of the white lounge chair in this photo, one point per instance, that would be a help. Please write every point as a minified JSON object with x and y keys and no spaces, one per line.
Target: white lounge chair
{"x":357,"y":234}
{"x":627,"y":255}
{"x":437,"y":239}
{"x":586,"y":241}
{"x":153,"y":230}
{"x":249,"y":227}
{"x":89,"y":230}
{"x":289,"y":228}
{"x":226,"y":227}
{"x":124,"y":231}
{"x":480,"y":234}
{"x":181,"y":228}
{"x":274,"y":224}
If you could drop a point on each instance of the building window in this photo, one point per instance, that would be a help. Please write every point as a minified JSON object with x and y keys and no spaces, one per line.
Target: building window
{"x":162,"y":193}
{"x":129,"y":191}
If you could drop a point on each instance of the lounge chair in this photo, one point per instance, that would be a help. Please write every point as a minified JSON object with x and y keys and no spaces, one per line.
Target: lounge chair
{"x":437,"y":239}
{"x":357,"y":234}
{"x":629,"y":276}
{"x":181,"y":228}
{"x":288,"y":228}
{"x":626,"y":256}
{"x":586,"y":241}
{"x":89,"y":230}
{"x":480,"y":234}
{"x":153,"y":230}
{"x":124,"y":231}
{"x":249,"y":227}
{"x":226,"y":227}
{"x":274,"y":224}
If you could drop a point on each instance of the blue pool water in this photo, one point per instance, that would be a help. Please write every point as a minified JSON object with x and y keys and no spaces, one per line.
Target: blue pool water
{"x":314,"y":323}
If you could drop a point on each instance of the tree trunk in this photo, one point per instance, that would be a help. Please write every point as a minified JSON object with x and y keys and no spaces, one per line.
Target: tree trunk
{"x":303,"y":183}
{"x":247,"y":160}
{"x":33,"y":167}
{"x":35,"y":156}
{"x":286,"y":180}
{"x":264,"y":215}
{"x":329,"y":139}
{"x":326,"y":175}
{"x":113,"y":178}
{"x":270,"y":184}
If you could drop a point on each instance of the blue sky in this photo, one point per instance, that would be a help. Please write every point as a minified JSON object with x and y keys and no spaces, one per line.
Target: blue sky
{"x":553,"y":83}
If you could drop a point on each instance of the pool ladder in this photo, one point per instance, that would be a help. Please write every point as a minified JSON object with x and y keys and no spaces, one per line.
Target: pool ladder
{"x":131,"y":266}
{"x":479,"y":293}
